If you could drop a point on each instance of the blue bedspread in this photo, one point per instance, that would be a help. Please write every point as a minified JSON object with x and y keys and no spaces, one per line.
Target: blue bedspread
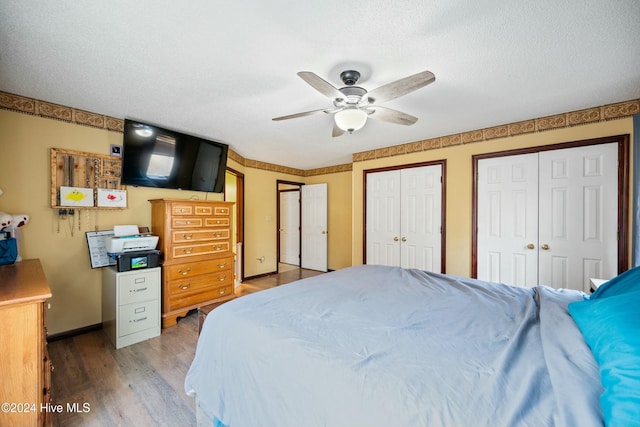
{"x":383,"y":346}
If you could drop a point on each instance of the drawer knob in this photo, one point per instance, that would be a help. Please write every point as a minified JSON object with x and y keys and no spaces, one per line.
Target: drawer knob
{"x":184,"y":286}
{"x":223,"y":265}
{"x":138,"y":320}
{"x":217,"y":234}
{"x":138,"y":290}
{"x":187,"y":236}
{"x":187,"y":251}
{"x":222,"y":279}
{"x":222,"y":291}
{"x":217,"y":248}
{"x":184,"y":273}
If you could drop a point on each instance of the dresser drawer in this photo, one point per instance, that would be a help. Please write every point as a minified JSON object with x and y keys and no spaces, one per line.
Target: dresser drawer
{"x":138,"y":317}
{"x":204,"y":210}
{"x":222,"y":210}
{"x":181,"y":209}
{"x":199,"y":235}
{"x":139,"y":286}
{"x":185,"y":251}
{"x":217,"y":222}
{"x":180,"y":222}
{"x":182,"y":271}
{"x":198,"y":283}
{"x":191,"y":298}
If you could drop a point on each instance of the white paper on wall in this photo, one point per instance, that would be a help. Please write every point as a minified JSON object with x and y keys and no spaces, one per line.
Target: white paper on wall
{"x":76,"y":196}
{"x":108,"y":198}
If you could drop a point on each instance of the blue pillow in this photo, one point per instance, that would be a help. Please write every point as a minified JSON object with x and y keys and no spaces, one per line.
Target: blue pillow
{"x":611,"y":327}
{"x":629,"y":281}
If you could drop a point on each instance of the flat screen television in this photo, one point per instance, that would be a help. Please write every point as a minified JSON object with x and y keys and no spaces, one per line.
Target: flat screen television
{"x":156,"y":157}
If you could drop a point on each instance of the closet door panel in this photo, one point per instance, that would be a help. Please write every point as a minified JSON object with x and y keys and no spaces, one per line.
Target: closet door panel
{"x":508,"y":220}
{"x":383,"y":218}
{"x":421,"y":199}
{"x":578,"y":226}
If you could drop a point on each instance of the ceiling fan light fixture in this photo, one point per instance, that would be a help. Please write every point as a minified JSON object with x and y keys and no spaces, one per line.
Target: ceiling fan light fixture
{"x":350,"y":119}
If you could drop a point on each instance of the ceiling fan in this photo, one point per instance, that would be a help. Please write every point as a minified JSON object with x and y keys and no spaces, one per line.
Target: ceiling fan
{"x":353,"y":104}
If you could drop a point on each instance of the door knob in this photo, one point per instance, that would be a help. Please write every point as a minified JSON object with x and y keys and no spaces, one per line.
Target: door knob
{"x":395,"y":239}
{"x":325,"y":232}
{"x":404,"y":239}
{"x":545,"y":247}
{"x":531,"y":246}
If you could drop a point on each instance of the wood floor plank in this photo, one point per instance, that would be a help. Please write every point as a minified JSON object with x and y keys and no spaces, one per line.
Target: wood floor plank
{"x":138,"y":385}
{"x":128,"y":386}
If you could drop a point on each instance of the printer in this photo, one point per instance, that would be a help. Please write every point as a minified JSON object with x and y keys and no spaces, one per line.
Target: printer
{"x":131,"y":249}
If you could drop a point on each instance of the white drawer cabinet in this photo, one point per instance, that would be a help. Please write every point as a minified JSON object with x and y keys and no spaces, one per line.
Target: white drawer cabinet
{"x":131,"y":305}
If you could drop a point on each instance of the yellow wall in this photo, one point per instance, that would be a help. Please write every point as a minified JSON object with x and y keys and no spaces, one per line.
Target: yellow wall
{"x":25,"y":143}
{"x":25,"y":177}
{"x":338,"y":217}
{"x":459,"y":182}
{"x":260,"y":221}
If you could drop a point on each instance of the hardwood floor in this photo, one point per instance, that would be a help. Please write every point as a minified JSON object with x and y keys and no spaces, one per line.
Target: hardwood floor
{"x":142,"y":384}
{"x":286,"y":274}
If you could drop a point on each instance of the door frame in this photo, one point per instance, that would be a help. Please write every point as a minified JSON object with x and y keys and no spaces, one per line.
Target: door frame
{"x":280,"y":182}
{"x":278,"y":224}
{"x":443,"y":208}
{"x":239,"y":219}
{"x":623,"y":191}
{"x":314,"y":228}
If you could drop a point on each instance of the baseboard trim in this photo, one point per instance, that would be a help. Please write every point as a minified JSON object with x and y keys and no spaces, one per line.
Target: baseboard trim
{"x":74,"y":332}
{"x":257,"y":276}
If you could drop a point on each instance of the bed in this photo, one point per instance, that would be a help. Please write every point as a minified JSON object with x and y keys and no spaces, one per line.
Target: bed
{"x":386,"y":346}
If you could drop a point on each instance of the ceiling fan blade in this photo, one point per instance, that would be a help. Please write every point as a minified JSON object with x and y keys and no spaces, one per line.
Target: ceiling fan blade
{"x":321,"y":85}
{"x":306,"y":113}
{"x":393,"y":116}
{"x":336,"y":131}
{"x":400,"y":87}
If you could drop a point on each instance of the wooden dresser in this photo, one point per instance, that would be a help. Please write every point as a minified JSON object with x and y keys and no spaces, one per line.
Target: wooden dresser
{"x":25,"y":369}
{"x":198,"y":266}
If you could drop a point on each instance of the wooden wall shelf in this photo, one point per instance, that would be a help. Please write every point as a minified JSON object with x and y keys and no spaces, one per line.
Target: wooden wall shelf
{"x":70,"y":168}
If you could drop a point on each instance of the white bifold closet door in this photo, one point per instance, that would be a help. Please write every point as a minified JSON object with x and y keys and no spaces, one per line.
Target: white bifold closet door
{"x":403,"y":218}
{"x":549,"y":218}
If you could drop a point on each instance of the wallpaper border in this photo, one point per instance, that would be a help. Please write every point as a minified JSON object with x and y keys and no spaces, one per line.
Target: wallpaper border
{"x":564,"y":120}
{"x":23,"y":104}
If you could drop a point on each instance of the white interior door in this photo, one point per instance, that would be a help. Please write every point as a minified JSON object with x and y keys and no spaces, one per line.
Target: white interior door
{"x":548,"y":218}
{"x":404,"y":218}
{"x":314,"y":227}
{"x":383,"y":218}
{"x":421,"y":218}
{"x":578,"y":215}
{"x":508,"y":220}
{"x":290,"y":227}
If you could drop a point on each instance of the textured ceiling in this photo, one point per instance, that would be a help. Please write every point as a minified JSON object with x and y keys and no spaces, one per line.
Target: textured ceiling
{"x":223,"y":70}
